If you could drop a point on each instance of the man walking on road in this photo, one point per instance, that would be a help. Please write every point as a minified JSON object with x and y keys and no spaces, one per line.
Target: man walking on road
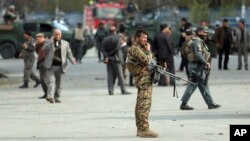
{"x":58,"y":51}
{"x":40,"y":42}
{"x":78,"y":42}
{"x":29,"y":60}
{"x":198,"y":57}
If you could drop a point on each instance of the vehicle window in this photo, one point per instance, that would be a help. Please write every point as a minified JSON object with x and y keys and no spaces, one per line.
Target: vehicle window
{"x":45,"y":28}
{"x":60,"y":25}
{"x":29,"y":27}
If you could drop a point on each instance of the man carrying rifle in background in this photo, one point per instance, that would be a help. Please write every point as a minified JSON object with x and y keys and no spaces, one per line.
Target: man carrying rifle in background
{"x":199,"y":66}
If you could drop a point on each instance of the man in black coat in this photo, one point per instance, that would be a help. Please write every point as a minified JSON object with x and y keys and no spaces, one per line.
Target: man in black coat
{"x":184,"y":26}
{"x":164,"y":52}
{"x":113,"y":58}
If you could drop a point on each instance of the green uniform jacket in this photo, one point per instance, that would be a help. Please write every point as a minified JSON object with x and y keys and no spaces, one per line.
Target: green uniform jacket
{"x":144,"y":57}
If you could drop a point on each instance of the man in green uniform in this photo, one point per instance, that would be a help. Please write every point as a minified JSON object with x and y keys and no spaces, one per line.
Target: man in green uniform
{"x":29,"y":60}
{"x":198,"y":57}
{"x":139,"y":57}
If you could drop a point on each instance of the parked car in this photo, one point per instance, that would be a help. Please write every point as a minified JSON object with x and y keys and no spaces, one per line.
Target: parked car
{"x":11,"y":36}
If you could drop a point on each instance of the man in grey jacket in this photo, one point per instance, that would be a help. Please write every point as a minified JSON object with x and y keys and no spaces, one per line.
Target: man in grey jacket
{"x":242,"y":42}
{"x":58,"y":51}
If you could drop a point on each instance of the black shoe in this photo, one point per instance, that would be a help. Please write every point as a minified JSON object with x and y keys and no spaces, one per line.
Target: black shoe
{"x":43,"y":97}
{"x":214,"y":106}
{"x":126,"y":93}
{"x":37,"y":84}
{"x":185,"y":107}
{"x":238,"y":68}
{"x":25,"y":85}
{"x":226,"y":69}
{"x":111,"y":93}
{"x":246,"y":68}
{"x":57,"y":100}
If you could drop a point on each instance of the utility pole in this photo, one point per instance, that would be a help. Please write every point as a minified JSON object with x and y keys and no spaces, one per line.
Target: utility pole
{"x":243,"y":9}
{"x":57,"y":8}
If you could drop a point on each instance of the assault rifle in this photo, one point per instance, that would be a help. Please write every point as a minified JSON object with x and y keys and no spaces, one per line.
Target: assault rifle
{"x":158,"y":70}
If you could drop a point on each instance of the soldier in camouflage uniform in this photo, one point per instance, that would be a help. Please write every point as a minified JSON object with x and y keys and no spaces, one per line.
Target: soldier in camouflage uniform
{"x":29,"y":60}
{"x":139,"y":56}
{"x":198,"y":67}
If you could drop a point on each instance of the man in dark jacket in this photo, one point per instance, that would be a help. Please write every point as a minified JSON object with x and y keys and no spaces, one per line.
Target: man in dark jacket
{"x":185,"y":25}
{"x":224,"y":40}
{"x":101,"y":33}
{"x":111,"y":51}
{"x":165,"y":53}
{"x":40,"y":42}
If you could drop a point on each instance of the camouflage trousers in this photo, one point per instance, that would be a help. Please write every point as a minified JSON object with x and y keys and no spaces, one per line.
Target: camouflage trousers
{"x":28,"y":72}
{"x":143,"y":105}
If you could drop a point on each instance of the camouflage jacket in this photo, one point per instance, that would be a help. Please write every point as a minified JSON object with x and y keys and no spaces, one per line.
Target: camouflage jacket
{"x":140,"y":59}
{"x":29,"y":51}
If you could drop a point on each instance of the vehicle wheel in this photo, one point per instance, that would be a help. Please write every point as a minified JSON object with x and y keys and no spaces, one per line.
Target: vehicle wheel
{"x":7,"y":50}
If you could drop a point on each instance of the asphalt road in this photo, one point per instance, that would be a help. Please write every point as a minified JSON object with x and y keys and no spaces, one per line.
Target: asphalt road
{"x":88,"y":113}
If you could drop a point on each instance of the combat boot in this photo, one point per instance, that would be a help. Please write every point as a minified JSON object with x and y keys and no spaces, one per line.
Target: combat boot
{"x":147,"y":134}
{"x":184,"y":106}
{"x":25,"y":85}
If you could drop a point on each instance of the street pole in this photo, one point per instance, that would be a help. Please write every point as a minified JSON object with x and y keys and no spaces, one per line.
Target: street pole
{"x":243,"y":9}
{"x":158,"y":9}
{"x":57,"y":8}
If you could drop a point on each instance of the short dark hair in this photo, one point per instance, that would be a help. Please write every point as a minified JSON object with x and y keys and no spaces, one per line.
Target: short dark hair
{"x":163,"y":26}
{"x":139,"y":32}
{"x":225,"y":20}
{"x":242,"y":21}
{"x":184,"y":19}
{"x":27,"y":33}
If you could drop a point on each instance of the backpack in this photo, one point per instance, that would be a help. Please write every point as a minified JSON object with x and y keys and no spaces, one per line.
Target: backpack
{"x":186,"y":50}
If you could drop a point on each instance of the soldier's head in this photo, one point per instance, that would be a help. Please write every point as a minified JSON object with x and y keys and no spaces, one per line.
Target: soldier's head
{"x":12,"y":8}
{"x":27,"y":34}
{"x":40,"y":38}
{"x":57,"y":34}
{"x":202,"y":32}
{"x":141,"y":37}
{"x":189,"y":34}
